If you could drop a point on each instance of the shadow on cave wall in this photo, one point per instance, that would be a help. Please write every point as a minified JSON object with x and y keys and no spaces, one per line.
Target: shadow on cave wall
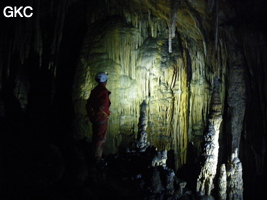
{"x":49,"y":108}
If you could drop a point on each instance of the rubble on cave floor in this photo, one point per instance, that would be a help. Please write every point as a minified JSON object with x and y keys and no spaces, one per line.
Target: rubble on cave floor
{"x":67,"y":172}
{"x":132,"y":176}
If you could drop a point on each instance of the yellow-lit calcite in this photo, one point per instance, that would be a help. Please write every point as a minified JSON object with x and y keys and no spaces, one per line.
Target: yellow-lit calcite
{"x":133,"y":49}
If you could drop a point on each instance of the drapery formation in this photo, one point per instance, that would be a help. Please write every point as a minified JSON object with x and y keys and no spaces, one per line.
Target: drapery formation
{"x":131,"y":40}
{"x":133,"y":47}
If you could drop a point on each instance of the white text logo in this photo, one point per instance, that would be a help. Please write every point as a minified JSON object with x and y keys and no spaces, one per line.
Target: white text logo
{"x":17,"y":11}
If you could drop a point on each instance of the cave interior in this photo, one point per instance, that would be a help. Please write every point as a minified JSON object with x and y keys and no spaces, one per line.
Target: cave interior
{"x":188,"y":99}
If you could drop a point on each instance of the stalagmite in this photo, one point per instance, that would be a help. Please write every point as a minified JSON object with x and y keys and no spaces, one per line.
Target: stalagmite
{"x":142,"y":143}
{"x":133,"y":47}
{"x":235,"y":180}
{"x":160,"y":159}
{"x":180,"y":191}
{"x":166,"y":52}
{"x":222,"y":183}
{"x":170,"y":178}
{"x":156,"y":183}
{"x":211,"y":148}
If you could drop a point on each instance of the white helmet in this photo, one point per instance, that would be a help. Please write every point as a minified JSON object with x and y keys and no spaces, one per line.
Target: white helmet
{"x":101,"y":77}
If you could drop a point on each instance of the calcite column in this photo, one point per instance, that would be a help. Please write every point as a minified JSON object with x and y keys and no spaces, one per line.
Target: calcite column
{"x":211,"y":147}
{"x":236,"y":89}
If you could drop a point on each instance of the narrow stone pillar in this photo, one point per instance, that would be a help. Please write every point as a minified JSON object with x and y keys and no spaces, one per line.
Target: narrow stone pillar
{"x":141,"y":142}
{"x":211,"y":146}
{"x":235,"y":180}
{"x":236,"y":89}
{"x":222,"y":183}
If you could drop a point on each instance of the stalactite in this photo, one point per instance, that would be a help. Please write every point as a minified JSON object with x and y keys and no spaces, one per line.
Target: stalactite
{"x":55,"y":46}
{"x":61,"y":14}
{"x":137,"y":54}
{"x":172,"y":25}
{"x":211,"y":147}
{"x":22,"y":38}
{"x":134,"y":49}
{"x":216,"y":25}
{"x":38,"y":40}
{"x":28,"y":30}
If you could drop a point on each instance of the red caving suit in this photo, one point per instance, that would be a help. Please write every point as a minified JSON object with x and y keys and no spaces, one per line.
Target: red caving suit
{"x":98,"y":112}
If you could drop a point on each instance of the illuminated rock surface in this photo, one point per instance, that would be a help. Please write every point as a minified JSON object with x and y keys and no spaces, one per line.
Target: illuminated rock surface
{"x":140,"y":68}
{"x":222,"y":183}
{"x":211,"y":146}
{"x":235,"y":180}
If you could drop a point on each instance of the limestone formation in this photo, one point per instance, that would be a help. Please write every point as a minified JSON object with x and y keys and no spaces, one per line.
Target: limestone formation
{"x":133,"y":47}
{"x":160,"y":159}
{"x":166,"y":52}
{"x":211,"y":146}
{"x":180,"y":191}
{"x":237,"y":88}
{"x":170,"y":181}
{"x":156,"y":183}
{"x":172,"y":25}
{"x":222,"y":183}
{"x":142,"y":143}
{"x":235,"y":180}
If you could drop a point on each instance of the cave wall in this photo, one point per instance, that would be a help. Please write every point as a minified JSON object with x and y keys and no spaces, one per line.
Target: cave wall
{"x":133,"y":47}
{"x":211,"y":40}
{"x":47,"y":70}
